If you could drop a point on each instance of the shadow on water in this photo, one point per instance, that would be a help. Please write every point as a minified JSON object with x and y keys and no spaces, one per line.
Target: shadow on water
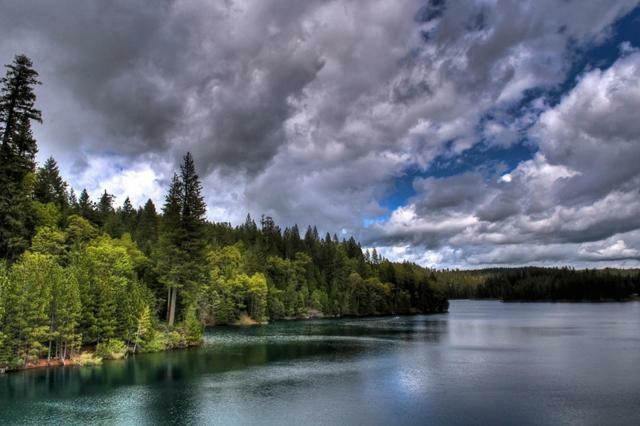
{"x":226,"y":350}
{"x":485,"y":362}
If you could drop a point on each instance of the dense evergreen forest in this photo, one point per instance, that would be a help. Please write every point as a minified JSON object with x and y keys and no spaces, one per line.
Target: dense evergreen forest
{"x":537,"y":284}
{"x":81,"y":273}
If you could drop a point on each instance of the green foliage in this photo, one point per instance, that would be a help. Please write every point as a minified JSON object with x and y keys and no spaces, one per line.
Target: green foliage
{"x":17,"y":156}
{"x":88,"y":359}
{"x":558,"y":284}
{"x":79,"y":233}
{"x":111,"y":349}
{"x":144,"y":331}
{"x":193,"y":329}
{"x":146,"y":233}
{"x":49,"y":187}
{"x":48,"y":214}
{"x":49,"y":240}
{"x":27,"y":305}
{"x":231,"y":290}
{"x":181,"y":256}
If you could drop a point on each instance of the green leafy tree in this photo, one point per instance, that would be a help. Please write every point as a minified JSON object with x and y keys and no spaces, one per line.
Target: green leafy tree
{"x":193,"y":329}
{"x":27,"y":310}
{"x":68,"y":313}
{"x":46,"y":214}
{"x":144,"y":331}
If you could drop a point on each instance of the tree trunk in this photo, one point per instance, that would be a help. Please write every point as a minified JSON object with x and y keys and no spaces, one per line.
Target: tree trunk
{"x":168,"y":302}
{"x":172,"y":307}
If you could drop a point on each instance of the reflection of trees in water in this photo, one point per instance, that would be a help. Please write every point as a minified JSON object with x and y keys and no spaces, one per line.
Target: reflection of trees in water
{"x":173,"y":377}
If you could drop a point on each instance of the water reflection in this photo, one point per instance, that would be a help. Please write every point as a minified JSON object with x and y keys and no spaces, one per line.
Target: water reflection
{"x":485,"y":362}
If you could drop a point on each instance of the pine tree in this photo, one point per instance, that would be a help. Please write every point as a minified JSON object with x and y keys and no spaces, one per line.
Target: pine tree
{"x":17,"y":156}
{"x":146,"y":234}
{"x":49,"y":186}
{"x":68,"y":314}
{"x":169,"y":254}
{"x":86,"y":207}
{"x":17,"y":102}
{"x":126,"y":218}
{"x":193,"y":208}
{"x":193,"y":242}
{"x":181,"y":261}
{"x":73,"y":201}
{"x":106,"y":212}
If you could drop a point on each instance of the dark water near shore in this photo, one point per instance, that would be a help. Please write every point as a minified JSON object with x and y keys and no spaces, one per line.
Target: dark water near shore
{"x":485,"y":362}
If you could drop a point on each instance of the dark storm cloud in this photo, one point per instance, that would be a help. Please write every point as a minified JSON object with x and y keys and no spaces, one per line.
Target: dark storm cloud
{"x":149,"y":77}
{"x":98,"y":55}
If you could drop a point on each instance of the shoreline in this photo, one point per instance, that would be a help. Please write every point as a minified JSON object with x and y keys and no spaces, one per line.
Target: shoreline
{"x":95,"y":361}
{"x":44,"y":363}
{"x":78,"y":361}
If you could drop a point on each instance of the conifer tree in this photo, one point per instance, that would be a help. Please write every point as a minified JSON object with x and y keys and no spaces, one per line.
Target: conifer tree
{"x":169,"y":254}
{"x":49,"y":186}
{"x":17,"y":155}
{"x":106,"y":212}
{"x":181,"y":256}
{"x":86,"y":207}
{"x":72,"y":201}
{"x":146,"y":234}
{"x":126,"y":218}
{"x":192,"y":220}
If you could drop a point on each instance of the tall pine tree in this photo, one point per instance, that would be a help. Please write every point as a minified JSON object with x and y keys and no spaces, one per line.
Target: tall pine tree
{"x":192,"y":224}
{"x":169,"y":255}
{"x":181,"y":261}
{"x":17,"y":156}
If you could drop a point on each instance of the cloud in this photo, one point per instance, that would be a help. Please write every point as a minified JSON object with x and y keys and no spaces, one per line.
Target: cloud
{"x":310,"y":111}
{"x":577,"y":200}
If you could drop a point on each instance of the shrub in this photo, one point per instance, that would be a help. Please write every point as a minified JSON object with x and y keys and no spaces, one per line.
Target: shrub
{"x":175,"y":340}
{"x":112,"y":349}
{"x":157,"y":343}
{"x":193,"y":330}
{"x":87,"y":358}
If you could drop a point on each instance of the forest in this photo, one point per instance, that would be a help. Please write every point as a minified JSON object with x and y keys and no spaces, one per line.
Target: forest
{"x":540,"y":284}
{"x":88,"y":279}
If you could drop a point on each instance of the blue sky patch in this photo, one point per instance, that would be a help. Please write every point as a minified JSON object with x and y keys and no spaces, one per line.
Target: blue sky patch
{"x":493,"y":160}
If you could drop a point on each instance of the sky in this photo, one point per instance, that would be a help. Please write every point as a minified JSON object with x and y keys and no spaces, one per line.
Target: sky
{"x":453,"y":134}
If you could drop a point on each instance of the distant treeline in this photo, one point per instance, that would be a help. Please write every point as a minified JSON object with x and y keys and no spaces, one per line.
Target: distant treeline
{"x":535,"y":283}
{"x":79,"y":272}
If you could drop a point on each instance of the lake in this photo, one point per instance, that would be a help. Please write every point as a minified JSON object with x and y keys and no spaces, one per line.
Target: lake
{"x":485,"y":362}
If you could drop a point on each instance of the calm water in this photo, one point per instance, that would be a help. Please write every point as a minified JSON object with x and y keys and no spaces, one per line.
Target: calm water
{"x":483,"y":363}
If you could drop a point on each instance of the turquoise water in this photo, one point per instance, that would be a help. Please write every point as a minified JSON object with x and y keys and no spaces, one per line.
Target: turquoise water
{"x":485,"y":362}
